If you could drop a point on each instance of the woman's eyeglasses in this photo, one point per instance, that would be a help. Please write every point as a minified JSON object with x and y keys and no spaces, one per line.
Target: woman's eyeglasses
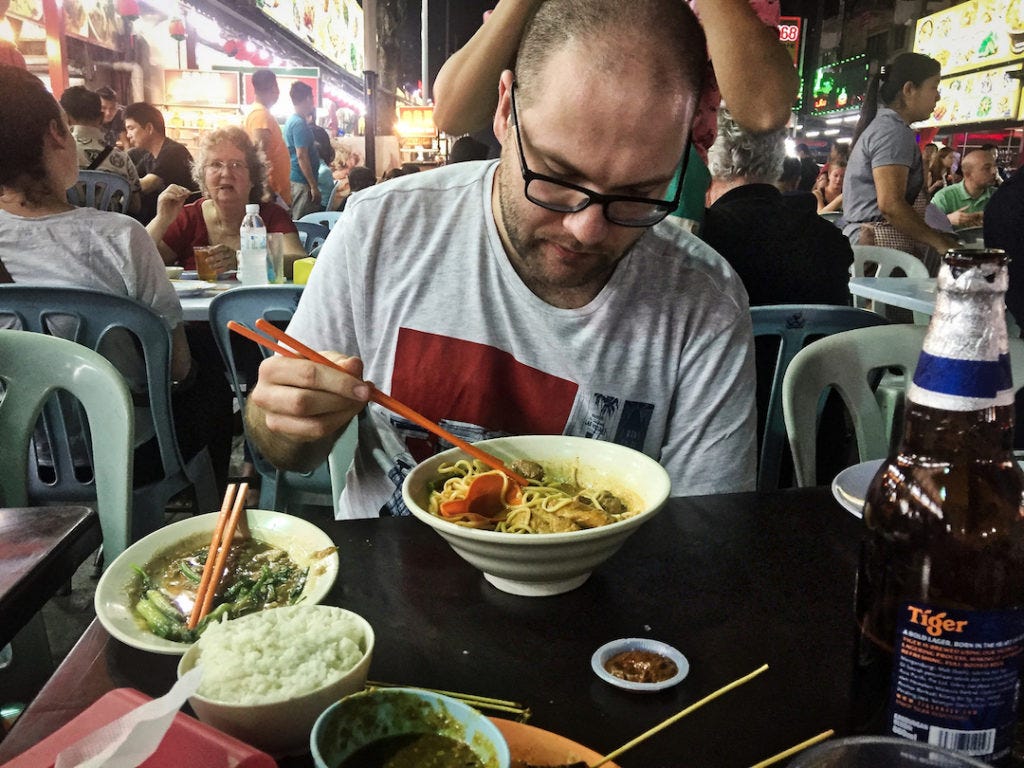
{"x":232,"y":165}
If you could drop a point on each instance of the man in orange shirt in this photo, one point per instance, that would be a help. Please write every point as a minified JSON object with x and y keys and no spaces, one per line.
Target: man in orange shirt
{"x":266,"y":134}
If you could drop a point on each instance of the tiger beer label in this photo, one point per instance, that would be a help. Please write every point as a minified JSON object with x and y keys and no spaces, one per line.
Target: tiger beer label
{"x":955,"y":678}
{"x":952,"y":384}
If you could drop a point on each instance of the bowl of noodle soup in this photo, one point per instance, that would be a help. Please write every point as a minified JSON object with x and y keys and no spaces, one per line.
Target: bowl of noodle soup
{"x":584,"y":500}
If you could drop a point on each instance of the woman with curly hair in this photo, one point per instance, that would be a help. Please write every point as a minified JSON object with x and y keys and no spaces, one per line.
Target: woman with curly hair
{"x":230,"y":172}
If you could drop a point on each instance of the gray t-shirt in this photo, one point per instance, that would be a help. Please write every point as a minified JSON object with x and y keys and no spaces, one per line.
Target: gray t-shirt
{"x":414,"y":280}
{"x":888,"y":140}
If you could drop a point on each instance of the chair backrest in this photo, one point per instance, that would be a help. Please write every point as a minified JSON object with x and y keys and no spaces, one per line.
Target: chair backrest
{"x":241,"y":357}
{"x":323,"y":218}
{"x":834,"y":216}
{"x":796,"y":326}
{"x":844,"y":362}
{"x":879,"y":261}
{"x":312,"y":235}
{"x":102,"y":190}
{"x":32,"y":368}
{"x":88,"y":317}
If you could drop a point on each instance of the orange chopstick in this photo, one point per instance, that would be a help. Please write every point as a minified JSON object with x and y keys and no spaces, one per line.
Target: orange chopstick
{"x":301,"y":350}
{"x":220,"y":546}
{"x":211,"y":555}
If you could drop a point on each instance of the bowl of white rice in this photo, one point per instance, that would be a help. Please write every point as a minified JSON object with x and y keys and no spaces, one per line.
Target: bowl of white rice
{"x":268,"y":676}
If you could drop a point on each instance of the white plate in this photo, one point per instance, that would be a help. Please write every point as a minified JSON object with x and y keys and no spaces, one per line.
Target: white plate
{"x":608,"y":650}
{"x":185,"y":288}
{"x":300,"y":538}
{"x":851,"y":485}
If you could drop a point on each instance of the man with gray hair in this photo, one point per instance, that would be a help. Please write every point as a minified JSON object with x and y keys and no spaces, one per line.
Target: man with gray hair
{"x":783,"y":252}
{"x":540,"y":293}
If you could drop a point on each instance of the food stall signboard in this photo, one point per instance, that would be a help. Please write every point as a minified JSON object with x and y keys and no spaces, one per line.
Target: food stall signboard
{"x":978,"y":33}
{"x":977,"y":97}
{"x":415,"y":121}
{"x":94,"y":20}
{"x":789,"y":36}
{"x":201,"y":87}
{"x":840,"y":87}
{"x":332,"y":27}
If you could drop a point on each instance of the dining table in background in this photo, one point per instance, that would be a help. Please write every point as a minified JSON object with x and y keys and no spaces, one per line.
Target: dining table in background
{"x":913,"y":293}
{"x":733,"y":581}
{"x":195,"y":307}
{"x":40,"y":550}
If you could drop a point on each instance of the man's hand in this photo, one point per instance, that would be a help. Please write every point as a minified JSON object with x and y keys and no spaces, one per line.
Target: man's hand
{"x":298,"y":408}
{"x":961,"y":218}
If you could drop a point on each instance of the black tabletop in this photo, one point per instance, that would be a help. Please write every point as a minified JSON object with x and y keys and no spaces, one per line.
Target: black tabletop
{"x":732,"y":581}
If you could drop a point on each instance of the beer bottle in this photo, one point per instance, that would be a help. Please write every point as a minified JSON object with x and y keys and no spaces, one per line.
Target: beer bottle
{"x":940,"y":587}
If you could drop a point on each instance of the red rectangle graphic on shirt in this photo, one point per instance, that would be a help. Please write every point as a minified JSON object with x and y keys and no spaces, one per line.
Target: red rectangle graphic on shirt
{"x":447,"y":378}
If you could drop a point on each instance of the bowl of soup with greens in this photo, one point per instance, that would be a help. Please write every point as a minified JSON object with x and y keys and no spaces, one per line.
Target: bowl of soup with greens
{"x":145,"y":596}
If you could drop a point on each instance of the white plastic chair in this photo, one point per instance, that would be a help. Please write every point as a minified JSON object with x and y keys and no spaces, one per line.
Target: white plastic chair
{"x":845,"y":361}
{"x":879,"y":261}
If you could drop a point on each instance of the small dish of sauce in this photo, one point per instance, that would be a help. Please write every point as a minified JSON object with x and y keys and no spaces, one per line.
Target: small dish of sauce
{"x":639,"y":664}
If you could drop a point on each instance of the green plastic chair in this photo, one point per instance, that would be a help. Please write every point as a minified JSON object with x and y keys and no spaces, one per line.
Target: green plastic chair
{"x":34,"y":366}
{"x":796,"y":326}
{"x":845,"y":362}
{"x":87,"y":317}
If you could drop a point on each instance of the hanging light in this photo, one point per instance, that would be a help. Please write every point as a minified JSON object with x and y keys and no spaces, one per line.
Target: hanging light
{"x":128,"y":9}
{"x":176,"y":28}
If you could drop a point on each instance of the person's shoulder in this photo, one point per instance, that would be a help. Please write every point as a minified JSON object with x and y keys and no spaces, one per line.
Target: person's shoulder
{"x":681,"y":258}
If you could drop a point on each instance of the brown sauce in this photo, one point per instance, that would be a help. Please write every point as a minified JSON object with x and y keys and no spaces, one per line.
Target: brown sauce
{"x":413,"y":750}
{"x":641,"y":666}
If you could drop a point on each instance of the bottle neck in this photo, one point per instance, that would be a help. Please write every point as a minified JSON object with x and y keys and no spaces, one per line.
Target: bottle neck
{"x":960,"y":402}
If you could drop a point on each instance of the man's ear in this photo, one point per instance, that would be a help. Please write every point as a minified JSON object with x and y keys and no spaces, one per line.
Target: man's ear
{"x":503,"y":113}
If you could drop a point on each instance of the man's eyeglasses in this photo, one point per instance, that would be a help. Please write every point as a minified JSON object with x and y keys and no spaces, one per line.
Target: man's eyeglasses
{"x":232,"y":165}
{"x":563,"y":197}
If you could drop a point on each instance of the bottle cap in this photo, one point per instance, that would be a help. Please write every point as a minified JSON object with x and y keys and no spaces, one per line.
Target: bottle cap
{"x":252,"y":207}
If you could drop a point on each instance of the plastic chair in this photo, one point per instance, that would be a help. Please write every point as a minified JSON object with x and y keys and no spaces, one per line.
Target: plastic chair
{"x":32,"y":368}
{"x":311,"y":235}
{"x":886,"y":261}
{"x":279,"y":488}
{"x":795,"y":326}
{"x":102,"y":190}
{"x":834,"y":216}
{"x":323,"y":218}
{"x":844,"y":362}
{"x":89,"y":316}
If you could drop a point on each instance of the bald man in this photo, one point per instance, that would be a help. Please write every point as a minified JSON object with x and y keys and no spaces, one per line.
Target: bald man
{"x":964,"y":201}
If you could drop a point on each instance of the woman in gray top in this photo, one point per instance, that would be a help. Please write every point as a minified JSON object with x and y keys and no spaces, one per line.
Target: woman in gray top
{"x":885,"y":174}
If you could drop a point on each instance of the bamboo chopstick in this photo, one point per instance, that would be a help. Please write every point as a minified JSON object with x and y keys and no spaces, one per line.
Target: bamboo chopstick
{"x":679,"y":715}
{"x":213,"y":571}
{"x":794,"y":749}
{"x":298,"y":349}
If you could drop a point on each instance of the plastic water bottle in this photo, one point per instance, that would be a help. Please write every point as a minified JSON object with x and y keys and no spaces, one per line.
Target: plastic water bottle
{"x":252,"y":258}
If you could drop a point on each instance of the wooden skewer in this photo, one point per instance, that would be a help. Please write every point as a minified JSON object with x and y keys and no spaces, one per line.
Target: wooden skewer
{"x":679,"y":715}
{"x":376,"y":395}
{"x":211,"y":555}
{"x":222,"y":554}
{"x":794,"y":749}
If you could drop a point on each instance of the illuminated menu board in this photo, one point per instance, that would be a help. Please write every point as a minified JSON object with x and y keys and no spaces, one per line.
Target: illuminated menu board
{"x":789,"y":36}
{"x":979,"y":33}
{"x":200,"y":87}
{"x":93,"y":20}
{"x":840,"y":87}
{"x":977,"y":97}
{"x":331,"y":27}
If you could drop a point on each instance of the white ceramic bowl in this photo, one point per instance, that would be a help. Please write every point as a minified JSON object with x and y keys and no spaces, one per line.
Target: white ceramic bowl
{"x":377,"y":713}
{"x":546,"y":563}
{"x":281,"y":726}
{"x":174,"y":273}
{"x":300,"y":538}
{"x":603,"y":654}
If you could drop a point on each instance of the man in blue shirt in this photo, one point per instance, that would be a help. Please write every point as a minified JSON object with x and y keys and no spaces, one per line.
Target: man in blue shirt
{"x":301,"y":150}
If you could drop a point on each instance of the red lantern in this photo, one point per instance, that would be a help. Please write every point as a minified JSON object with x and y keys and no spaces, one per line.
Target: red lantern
{"x":128,"y":9}
{"x":177,"y":29}
{"x":231,"y":47}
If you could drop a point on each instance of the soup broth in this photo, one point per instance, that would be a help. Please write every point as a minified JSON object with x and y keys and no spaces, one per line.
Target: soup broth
{"x":413,"y":750}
